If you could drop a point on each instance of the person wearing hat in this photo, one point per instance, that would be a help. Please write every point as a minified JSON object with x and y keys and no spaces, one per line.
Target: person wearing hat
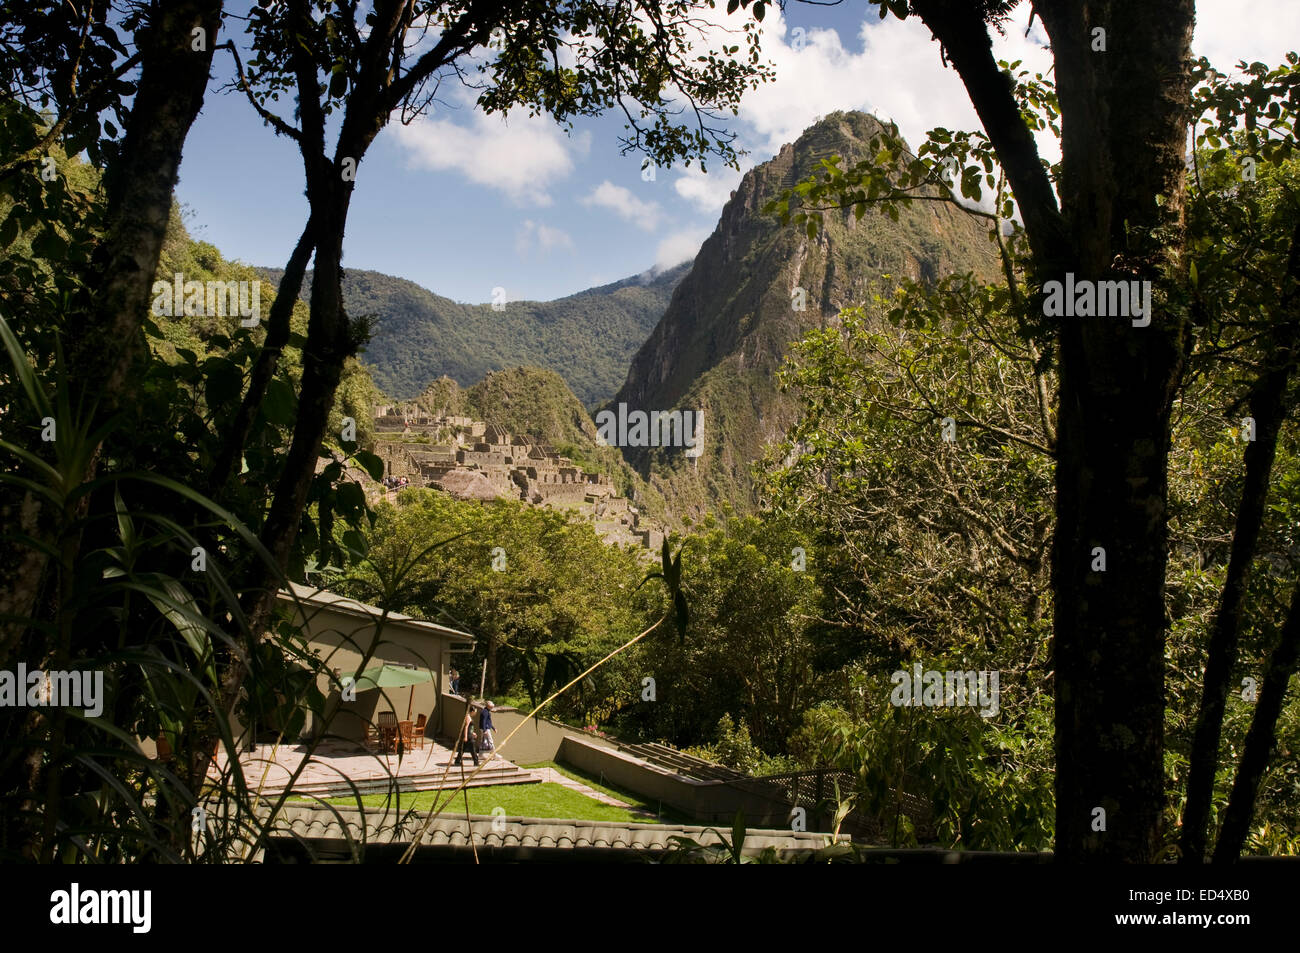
{"x":485,"y":726}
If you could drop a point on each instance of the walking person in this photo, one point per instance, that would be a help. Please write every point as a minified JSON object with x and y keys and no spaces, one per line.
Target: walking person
{"x":465,"y":739}
{"x":485,"y":727}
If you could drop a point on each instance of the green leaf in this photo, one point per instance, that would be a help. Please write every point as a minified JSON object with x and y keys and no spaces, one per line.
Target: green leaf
{"x":279,"y":403}
{"x":738,"y":833}
{"x":224,"y":382}
{"x":338,"y":84}
{"x":23,"y":368}
{"x":177,"y":605}
{"x":49,"y":244}
{"x":370,"y":463}
{"x":351,"y":498}
{"x":355,"y":541}
{"x":9,"y":231}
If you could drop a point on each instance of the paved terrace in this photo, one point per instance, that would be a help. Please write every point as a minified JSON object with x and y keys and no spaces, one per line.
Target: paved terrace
{"x":335,"y":763}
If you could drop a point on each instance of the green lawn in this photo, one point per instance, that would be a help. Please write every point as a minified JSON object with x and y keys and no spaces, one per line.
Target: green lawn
{"x":518,"y":800}
{"x":666,"y":814}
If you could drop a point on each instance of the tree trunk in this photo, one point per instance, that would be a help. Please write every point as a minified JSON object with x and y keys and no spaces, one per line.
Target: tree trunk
{"x":268,"y":360}
{"x":104,"y":330}
{"x":1124,"y":111}
{"x":329,"y":344}
{"x":1268,"y":406}
{"x":173,"y":79}
{"x":1124,"y":128}
{"x":491,"y":673}
{"x":1260,"y":738}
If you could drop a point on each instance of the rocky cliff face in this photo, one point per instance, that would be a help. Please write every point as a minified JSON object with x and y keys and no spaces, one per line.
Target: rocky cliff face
{"x":730,"y":322}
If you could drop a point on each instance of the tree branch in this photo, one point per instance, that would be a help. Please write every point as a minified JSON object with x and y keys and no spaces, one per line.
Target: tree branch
{"x":967,"y":45}
{"x":270,"y":118}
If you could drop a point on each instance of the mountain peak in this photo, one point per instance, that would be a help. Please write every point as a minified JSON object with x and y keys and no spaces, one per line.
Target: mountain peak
{"x":731,"y":320}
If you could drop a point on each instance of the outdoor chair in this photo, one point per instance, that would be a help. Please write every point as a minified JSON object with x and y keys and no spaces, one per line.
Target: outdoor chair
{"x":387,"y":729}
{"x":418,"y":731}
{"x":407,"y":731}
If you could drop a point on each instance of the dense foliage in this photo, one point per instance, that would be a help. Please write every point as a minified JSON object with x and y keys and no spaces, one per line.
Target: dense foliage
{"x":587,"y":337}
{"x":541,"y":592}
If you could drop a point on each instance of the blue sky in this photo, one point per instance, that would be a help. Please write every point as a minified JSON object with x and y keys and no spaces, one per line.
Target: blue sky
{"x":462,"y":203}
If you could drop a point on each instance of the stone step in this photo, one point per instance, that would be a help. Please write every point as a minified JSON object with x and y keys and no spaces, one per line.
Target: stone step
{"x":486,"y":778}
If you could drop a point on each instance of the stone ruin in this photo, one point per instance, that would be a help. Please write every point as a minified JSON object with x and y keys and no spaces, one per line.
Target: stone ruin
{"x":410,"y":421}
{"x":474,"y":460}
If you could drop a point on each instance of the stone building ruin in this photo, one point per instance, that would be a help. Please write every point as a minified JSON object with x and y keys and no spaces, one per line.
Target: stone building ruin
{"x":471,"y":459}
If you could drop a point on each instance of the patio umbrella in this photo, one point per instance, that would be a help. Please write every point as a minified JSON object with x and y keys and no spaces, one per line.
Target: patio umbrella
{"x":392,"y":676}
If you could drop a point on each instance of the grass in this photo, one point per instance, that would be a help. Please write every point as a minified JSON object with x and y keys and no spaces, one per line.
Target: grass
{"x":513,"y":701}
{"x":518,"y":800}
{"x":666,"y":815}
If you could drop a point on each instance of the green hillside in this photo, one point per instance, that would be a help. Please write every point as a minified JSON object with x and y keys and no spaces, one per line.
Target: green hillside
{"x":209,"y":337}
{"x":418,"y":336}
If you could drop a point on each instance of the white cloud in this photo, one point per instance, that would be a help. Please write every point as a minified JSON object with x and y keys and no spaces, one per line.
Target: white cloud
{"x":707,"y":192}
{"x":520,"y":155}
{"x":680,"y":246}
{"x":542,"y":237}
{"x":1228,"y":31}
{"x":644,"y":215}
{"x":898,"y":75}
